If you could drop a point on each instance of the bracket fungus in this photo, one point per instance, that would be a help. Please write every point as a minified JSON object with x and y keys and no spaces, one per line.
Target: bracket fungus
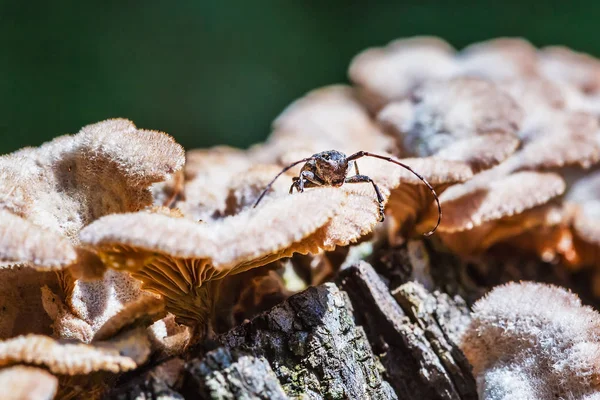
{"x":178,"y":258}
{"x":50,"y":193}
{"x":115,"y":244}
{"x":499,"y":59}
{"x":27,"y":383}
{"x":529,"y":340}
{"x":385,"y":74}
{"x":440,"y":113}
{"x":65,"y":184}
{"x":207,"y":176}
{"x":487,"y":209}
{"x":567,"y":66}
{"x":122,"y":353}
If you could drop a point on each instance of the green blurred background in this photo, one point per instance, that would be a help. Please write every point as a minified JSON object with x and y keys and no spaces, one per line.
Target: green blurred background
{"x":218,"y":72}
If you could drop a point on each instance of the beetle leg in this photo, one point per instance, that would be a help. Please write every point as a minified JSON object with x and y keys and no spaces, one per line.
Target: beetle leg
{"x":364,"y":178}
{"x":294,"y":184}
{"x":356,"y":168}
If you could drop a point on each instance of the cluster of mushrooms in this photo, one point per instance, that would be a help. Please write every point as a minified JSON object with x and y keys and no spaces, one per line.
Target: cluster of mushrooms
{"x":116,"y":245}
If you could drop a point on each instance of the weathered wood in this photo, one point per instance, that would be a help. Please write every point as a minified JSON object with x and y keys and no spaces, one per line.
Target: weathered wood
{"x":156,"y":383}
{"x":314,"y":347}
{"x":418,"y":356}
{"x":225,"y":375}
{"x":443,"y":320}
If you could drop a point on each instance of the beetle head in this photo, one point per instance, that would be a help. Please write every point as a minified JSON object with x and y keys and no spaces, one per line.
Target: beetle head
{"x":331,"y":166}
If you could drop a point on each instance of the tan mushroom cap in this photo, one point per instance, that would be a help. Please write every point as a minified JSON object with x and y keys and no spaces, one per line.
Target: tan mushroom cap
{"x":558,"y":139}
{"x":178,"y":258}
{"x":442,"y":112}
{"x":480,"y":152}
{"x":64,"y":184}
{"x":146,"y":309}
{"x":207,"y":177}
{"x":499,"y":59}
{"x":168,"y":337}
{"x":123,"y":353}
{"x":245,"y":187}
{"x":490,"y":198}
{"x":99,"y":309}
{"x":269,"y":228}
{"x":327,"y":118}
{"x":538,"y":337}
{"x":392,"y":72}
{"x":488,"y":209}
{"x":27,"y":383}
{"x":537,"y":93}
{"x":584,"y":197}
{"x":22,"y":242}
{"x":562,"y":64}
{"x":410,"y":199}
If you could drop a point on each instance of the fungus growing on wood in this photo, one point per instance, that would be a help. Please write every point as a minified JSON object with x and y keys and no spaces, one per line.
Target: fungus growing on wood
{"x":122,"y":353}
{"x":487,"y":209}
{"x":27,"y":383}
{"x":530,"y":340}
{"x":182,"y":259}
{"x":385,"y":74}
{"x":570,"y":67}
{"x":580,"y":227}
{"x":557,"y":139}
{"x":207,"y":177}
{"x":498,"y":59}
{"x":99,"y":309}
{"x":441,"y":113}
{"x":65,"y":184}
{"x":22,"y":242}
{"x":56,"y":187}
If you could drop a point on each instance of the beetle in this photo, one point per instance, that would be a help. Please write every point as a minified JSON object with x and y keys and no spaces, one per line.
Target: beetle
{"x":331,"y":168}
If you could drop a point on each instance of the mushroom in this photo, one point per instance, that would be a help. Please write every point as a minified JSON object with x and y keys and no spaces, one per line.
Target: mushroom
{"x":543,"y":142}
{"x":27,"y":383}
{"x":99,"y":309}
{"x":22,"y":242}
{"x":390,"y":73}
{"x":182,"y":260}
{"x":564,"y":65}
{"x":498,"y":59}
{"x":530,"y":340}
{"x":51,"y":192}
{"x":167,"y":337}
{"x":65,"y":184}
{"x":577,"y":239}
{"x":409,"y":199}
{"x":21,"y":309}
{"x":442,"y":113}
{"x":207,"y":178}
{"x":122,"y":353}
{"x":487,"y":209}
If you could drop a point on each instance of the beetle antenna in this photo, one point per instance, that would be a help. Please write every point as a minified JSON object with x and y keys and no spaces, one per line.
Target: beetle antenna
{"x":283,"y":171}
{"x":392,"y":160}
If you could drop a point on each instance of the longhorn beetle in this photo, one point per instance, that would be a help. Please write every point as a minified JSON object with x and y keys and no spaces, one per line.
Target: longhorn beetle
{"x":330,"y":168}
